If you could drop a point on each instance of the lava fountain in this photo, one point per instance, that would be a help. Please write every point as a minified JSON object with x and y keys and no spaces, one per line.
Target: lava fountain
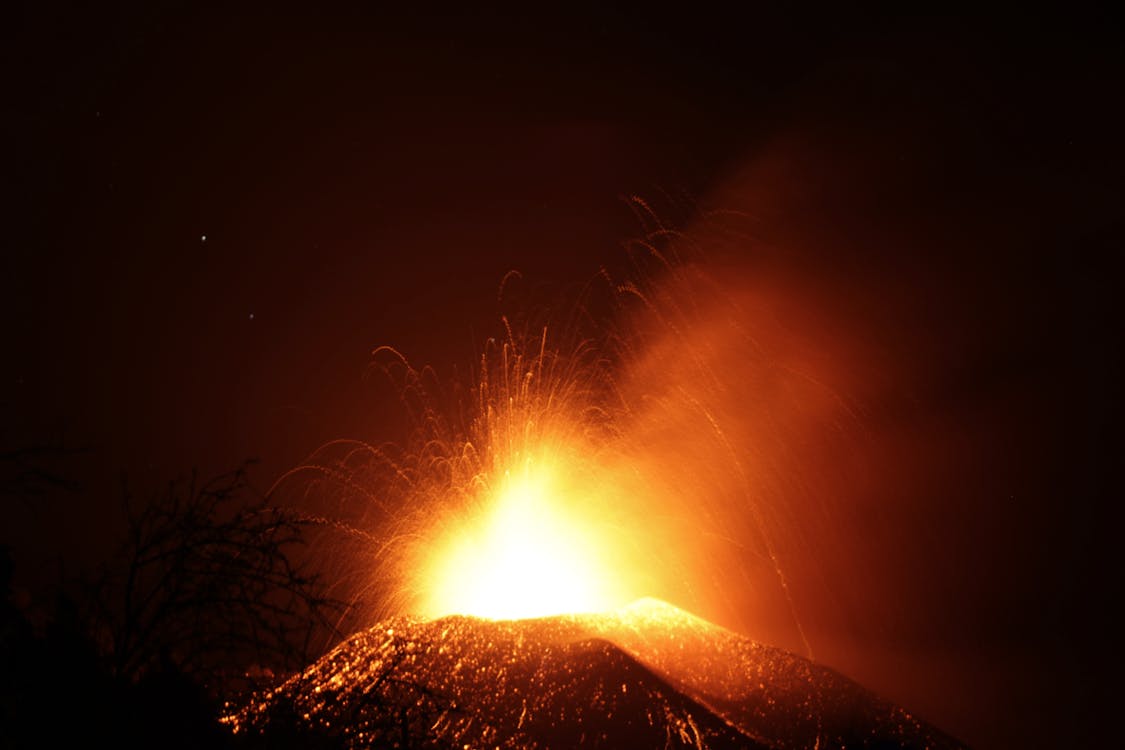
{"x":565,"y":487}
{"x":583,"y":465}
{"x":526,"y":557}
{"x":499,"y":549}
{"x":542,"y":526}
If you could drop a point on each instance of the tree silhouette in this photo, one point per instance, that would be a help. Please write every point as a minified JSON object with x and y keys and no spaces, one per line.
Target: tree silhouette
{"x":206,"y":602}
{"x":206,"y":584}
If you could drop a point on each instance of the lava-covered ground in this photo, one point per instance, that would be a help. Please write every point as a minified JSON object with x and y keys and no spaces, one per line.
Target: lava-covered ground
{"x":648,"y":675}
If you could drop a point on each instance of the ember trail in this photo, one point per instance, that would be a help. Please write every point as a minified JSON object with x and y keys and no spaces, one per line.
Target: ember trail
{"x":580,"y":467}
{"x":529,"y":518}
{"x":544,"y":561}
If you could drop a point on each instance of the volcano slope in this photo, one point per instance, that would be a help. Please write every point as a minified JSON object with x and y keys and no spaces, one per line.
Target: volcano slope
{"x":646,"y":676}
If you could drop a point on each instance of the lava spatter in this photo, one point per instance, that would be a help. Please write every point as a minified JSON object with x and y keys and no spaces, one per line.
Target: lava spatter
{"x":647,"y":675}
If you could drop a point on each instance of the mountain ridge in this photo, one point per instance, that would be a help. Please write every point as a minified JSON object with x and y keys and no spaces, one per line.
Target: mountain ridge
{"x":647,"y":675}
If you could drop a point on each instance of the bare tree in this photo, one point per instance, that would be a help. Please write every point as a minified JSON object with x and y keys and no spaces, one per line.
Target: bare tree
{"x":206,"y":582}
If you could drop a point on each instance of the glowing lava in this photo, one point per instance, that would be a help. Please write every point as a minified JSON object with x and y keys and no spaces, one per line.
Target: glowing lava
{"x":646,"y":675}
{"x":575,"y":476}
{"x":524,"y":556}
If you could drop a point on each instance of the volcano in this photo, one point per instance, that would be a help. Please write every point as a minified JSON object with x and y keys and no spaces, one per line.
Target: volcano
{"x":646,"y":675}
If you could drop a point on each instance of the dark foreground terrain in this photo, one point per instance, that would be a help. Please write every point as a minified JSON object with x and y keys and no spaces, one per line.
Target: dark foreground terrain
{"x":649,"y":675}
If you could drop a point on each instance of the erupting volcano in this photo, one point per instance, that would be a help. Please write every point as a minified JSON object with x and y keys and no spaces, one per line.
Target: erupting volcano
{"x":474,"y":375}
{"x":525,"y":543}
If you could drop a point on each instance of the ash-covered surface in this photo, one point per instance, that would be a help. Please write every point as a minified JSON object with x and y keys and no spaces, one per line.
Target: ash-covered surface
{"x":648,"y":675}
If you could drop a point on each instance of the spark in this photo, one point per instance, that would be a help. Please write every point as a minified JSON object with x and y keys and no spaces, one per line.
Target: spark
{"x":579,"y":468}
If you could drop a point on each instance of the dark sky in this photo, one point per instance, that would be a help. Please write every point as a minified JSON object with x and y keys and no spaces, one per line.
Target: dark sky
{"x":213,"y":217}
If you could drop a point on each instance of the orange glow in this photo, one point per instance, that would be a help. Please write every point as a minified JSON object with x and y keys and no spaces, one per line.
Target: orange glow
{"x":533,"y":521}
{"x":584,"y":478}
{"x":525,"y":556}
{"x":517,"y":498}
{"x":673,"y":456}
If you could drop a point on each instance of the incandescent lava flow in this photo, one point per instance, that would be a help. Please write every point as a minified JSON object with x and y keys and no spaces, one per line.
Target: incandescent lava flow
{"x":646,"y":675}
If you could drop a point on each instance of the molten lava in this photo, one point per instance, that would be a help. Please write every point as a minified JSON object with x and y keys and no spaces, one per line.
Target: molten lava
{"x":646,"y":675}
{"x":525,"y":556}
{"x":579,"y":470}
{"x":524,"y":513}
{"x":562,"y":483}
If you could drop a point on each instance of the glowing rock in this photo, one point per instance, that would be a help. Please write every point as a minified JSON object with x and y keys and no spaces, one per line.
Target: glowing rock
{"x":647,"y":675}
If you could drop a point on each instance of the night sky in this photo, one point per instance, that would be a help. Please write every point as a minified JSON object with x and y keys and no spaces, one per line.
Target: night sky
{"x":213,"y":217}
